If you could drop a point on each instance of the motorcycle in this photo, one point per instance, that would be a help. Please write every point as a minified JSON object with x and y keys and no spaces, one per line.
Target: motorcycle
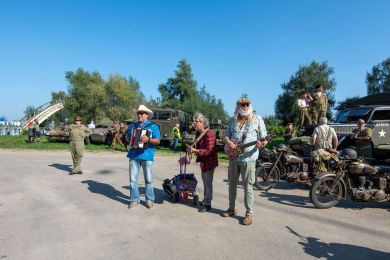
{"x":287,"y":165}
{"x":354,"y":177}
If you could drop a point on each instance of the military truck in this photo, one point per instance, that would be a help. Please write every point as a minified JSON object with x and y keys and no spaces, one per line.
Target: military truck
{"x":167,"y":118}
{"x":217,"y":126}
{"x":377,"y":117}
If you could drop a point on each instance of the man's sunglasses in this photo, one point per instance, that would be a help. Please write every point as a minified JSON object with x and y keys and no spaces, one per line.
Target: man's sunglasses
{"x":141,"y":113}
{"x":244,"y":104}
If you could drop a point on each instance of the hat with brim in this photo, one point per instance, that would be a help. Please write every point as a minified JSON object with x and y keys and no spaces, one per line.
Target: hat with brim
{"x":243,"y":101}
{"x":143,"y":108}
{"x":77,"y":118}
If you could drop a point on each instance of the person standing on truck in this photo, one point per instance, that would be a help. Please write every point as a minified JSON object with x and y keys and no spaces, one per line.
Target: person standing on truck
{"x":362,"y":136}
{"x":303,"y":105}
{"x":175,"y":136}
{"x":319,"y":103}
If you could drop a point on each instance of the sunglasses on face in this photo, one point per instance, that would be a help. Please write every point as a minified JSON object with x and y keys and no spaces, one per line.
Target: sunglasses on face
{"x":141,"y":113}
{"x":360,"y":123}
{"x":244,"y":104}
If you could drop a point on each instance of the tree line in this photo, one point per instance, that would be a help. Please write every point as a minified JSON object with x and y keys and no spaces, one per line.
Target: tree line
{"x":92,"y":97}
{"x":117,"y":98}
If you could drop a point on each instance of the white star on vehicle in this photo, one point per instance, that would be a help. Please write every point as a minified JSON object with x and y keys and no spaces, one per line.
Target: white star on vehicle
{"x":382,"y":133}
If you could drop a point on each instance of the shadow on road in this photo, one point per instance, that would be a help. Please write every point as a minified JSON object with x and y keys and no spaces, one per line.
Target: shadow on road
{"x":63,"y":167}
{"x":315,"y":248}
{"x":304,"y":201}
{"x":107,"y":190}
{"x":105,"y":171}
{"x":287,"y":199}
{"x":284,"y":185}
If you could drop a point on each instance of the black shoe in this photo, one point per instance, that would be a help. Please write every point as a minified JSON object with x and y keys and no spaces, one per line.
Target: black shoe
{"x":72,"y":173}
{"x":205,"y":208}
{"x":79,"y":172}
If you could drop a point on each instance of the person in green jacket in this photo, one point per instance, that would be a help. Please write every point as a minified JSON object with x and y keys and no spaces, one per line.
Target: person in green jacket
{"x":77,"y":133}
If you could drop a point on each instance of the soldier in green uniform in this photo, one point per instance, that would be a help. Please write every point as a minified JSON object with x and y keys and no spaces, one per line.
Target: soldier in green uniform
{"x":319,"y":103}
{"x":77,"y":133}
{"x":289,"y":133}
{"x":362,"y":137}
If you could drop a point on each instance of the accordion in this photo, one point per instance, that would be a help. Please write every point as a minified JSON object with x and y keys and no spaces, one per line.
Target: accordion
{"x":135,"y":138}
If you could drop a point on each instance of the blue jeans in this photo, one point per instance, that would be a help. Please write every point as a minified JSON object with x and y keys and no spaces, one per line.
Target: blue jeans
{"x":175,"y":143}
{"x":134,"y":168}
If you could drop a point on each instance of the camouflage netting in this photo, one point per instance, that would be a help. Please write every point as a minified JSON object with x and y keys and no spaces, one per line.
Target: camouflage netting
{"x":301,"y":139}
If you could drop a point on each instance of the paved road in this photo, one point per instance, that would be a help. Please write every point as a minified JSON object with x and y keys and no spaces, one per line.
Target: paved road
{"x":47,"y":214}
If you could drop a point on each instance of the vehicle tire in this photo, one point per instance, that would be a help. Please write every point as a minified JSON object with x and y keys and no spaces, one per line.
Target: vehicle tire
{"x":321,"y":194}
{"x":263,"y":182}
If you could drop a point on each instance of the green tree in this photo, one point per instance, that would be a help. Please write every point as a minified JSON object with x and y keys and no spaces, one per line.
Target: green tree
{"x":123,"y":97}
{"x":58,"y":117}
{"x":181,"y":92}
{"x":86,"y":95}
{"x":378,"y":81}
{"x":177,"y":91}
{"x":57,"y":97}
{"x":304,"y":79}
{"x":30,"y":111}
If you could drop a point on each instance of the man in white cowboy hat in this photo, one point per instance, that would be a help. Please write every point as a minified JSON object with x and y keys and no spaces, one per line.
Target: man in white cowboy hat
{"x":142,"y":157}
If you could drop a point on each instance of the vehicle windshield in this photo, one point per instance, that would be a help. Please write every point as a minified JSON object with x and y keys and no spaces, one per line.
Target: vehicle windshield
{"x":353,"y":115}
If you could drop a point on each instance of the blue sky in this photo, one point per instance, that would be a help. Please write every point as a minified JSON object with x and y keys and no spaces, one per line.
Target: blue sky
{"x":234,"y":47}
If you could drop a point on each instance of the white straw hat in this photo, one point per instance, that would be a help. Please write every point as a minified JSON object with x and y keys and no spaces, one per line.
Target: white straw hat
{"x":143,"y":108}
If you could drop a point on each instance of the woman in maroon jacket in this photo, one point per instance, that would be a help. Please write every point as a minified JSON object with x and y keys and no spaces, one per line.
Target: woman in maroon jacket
{"x":206,"y":151}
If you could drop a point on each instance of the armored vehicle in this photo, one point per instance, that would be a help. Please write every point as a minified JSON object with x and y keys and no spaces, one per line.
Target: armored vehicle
{"x":101,"y":134}
{"x":58,"y":134}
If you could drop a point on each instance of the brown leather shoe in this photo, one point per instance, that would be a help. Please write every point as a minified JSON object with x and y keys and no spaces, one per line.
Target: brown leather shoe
{"x":248,"y":220}
{"x":229,"y":213}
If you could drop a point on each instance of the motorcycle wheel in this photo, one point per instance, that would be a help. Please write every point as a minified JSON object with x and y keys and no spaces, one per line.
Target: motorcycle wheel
{"x":322,"y":195}
{"x":263,"y":182}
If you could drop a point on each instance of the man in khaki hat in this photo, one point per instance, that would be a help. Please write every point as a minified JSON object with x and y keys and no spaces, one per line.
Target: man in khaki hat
{"x":77,"y":133}
{"x":244,"y":127}
{"x":142,"y":157}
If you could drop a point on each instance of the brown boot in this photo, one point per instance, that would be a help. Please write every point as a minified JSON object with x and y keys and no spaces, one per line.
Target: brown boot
{"x":248,"y":220}
{"x":229,"y":213}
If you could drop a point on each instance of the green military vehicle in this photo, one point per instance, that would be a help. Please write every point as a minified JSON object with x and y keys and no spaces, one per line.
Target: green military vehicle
{"x":167,"y":118}
{"x":377,"y":117}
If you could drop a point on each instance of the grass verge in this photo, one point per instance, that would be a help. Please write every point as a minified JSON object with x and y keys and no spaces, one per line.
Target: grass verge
{"x":42,"y":143}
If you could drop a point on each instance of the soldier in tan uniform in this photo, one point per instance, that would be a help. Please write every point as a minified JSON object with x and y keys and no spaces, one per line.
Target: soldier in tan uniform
{"x":119,"y":135}
{"x":319,"y":103}
{"x":77,"y":133}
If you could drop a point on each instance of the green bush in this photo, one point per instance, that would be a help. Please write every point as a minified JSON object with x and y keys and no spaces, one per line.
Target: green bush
{"x":277,"y":130}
